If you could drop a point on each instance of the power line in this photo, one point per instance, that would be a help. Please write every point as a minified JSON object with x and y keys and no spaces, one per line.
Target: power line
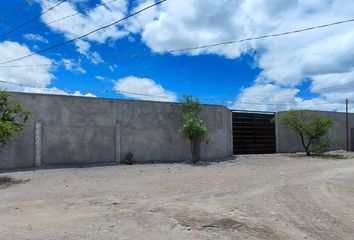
{"x":204,"y":98}
{"x":63,"y":18}
{"x":15,"y":10}
{"x":182,"y":49}
{"x":137,"y":93}
{"x":87,"y":91}
{"x":320,"y":89}
{"x":53,"y":64}
{"x":286,"y":104}
{"x":61,"y":62}
{"x":84,"y":35}
{"x":262,"y":37}
{"x":70,"y":63}
{"x":336,"y":86}
{"x":32,"y":19}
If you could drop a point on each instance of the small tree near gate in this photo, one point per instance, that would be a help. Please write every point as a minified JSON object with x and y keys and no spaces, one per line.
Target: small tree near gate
{"x":312,"y":128}
{"x":194,"y":128}
{"x":12,"y":117}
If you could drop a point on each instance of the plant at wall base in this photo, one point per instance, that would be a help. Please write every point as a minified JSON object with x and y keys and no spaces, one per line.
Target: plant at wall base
{"x":13,"y":116}
{"x":129,"y":159}
{"x":312,"y":129}
{"x":194,"y":128}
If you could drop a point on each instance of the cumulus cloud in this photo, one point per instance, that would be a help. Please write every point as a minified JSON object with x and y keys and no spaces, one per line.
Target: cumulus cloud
{"x":181,"y":24}
{"x":144,"y":89}
{"x":264,"y":96}
{"x":85,"y":22}
{"x":323,"y":56}
{"x":54,"y":91}
{"x":78,"y":93}
{"x":35,"y":37}
{"x":272,"y":97}
{"x":73,"y":66}
{"x":84,"y":48}
{"x":36,"y":76}
{"x":28,"y":79}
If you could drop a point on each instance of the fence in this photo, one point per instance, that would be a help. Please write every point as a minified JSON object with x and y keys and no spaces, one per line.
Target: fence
{"x":80,"y":130}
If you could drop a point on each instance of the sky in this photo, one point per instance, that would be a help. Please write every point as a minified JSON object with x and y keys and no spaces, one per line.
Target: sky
{"x":133,"y":59}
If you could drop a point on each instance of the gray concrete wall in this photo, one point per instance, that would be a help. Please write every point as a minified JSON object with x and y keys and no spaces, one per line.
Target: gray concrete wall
{"x":352,"y":139}
{"x":288,"y":141}
{"x":80,"y":130}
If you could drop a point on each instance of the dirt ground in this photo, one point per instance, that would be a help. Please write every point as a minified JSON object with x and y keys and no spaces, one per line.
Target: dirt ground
{"x":251,"y":197}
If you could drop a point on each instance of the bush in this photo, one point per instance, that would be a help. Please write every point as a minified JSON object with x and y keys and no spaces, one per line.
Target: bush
{"x":312,"y":129}
{"x":129,"y":159}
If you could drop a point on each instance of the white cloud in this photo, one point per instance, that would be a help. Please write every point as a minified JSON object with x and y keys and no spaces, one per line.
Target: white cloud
{"x":144,"y":89}
{"x":36,"y":76}
{"x":263,"y":95}
{"x":323,"y":56}
{"x":78,"y":93}
{"x":98,"y":77}
{"x":105,"y":79}
{"x":334,"y":86}
{"x":70,"y":65}
{"x":83,"y":47}
{"x":138,"y":23}
{"x":272,"y":97}
{"x":54,"y":91}
{"x":181,"y":24}
{"x":28,"y":79}
{"x":82,"y":23}
{"x":113,"y":67}
{"x":95,"y":58}
{"x":35,"y":37}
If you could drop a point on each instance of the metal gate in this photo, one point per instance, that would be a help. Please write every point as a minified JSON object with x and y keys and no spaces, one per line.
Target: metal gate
{"x":253,"y":132}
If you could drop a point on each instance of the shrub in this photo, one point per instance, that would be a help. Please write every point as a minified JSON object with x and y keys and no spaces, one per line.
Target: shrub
{"x":312,"y":128}
{"x":129,"y":159}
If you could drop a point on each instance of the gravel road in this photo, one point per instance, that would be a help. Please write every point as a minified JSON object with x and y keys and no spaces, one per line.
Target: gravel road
{"x":251,"y":197}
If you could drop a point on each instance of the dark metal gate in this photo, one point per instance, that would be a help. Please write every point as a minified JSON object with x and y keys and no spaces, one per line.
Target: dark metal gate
{"x":253,"y":132}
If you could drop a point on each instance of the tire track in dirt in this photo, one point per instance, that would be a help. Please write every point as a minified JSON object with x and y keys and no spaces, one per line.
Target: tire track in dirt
{"x":306,"y":207}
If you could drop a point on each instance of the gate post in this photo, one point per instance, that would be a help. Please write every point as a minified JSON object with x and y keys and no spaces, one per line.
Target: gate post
{"x":352,"y":139}
{"x":37,"y":143}
{"x":118,"y":142}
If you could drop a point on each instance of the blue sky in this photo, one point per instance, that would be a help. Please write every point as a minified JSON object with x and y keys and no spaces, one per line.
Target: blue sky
{"x":309,"y":70}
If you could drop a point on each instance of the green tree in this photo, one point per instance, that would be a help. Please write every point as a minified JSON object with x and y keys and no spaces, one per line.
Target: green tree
{"x":12,"y":117}
{"x":194,"y":128}
{"x":310,"y":127}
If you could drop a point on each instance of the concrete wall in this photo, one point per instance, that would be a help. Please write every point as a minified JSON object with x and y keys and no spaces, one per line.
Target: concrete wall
{"x":352,"y":139}
{"x":288,"y":141}
{"x":80,"y":130}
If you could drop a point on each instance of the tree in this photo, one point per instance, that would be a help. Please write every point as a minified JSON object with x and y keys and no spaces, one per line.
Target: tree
{"x":310,"y":127}
{"x":12,"y":117}
{"x":194,"y":128}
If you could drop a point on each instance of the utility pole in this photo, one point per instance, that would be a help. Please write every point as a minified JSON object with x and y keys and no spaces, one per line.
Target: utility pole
{"x":347,"y":122}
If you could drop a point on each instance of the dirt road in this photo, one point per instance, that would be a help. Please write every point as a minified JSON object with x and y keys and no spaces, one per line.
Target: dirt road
{"x":252,"y":197}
